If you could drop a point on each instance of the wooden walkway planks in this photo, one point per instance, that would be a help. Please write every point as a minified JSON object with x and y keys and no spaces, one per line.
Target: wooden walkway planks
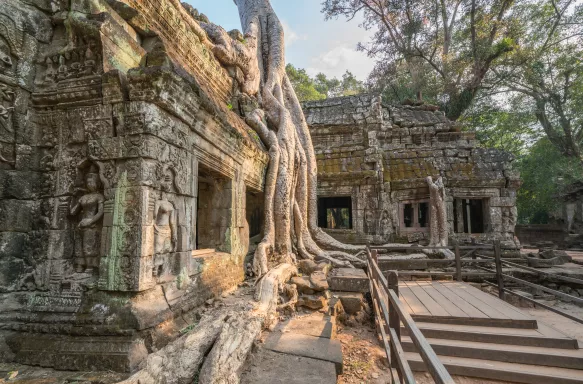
{"x":460,"y":303}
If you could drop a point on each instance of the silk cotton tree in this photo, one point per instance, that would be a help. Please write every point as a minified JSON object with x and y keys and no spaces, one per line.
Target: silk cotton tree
{"x":216,"y":350}
{"x":291,"y":229}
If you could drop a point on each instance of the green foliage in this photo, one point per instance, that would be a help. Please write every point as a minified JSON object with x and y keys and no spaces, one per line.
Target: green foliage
{"x":544,"y":173}
{"x":544,"y":170}
{"x":545,"y":71}
{"x":508,"y":127}
{"x":441,"y":49}
{"x":303,"y":84}
{"x":322,"y":87}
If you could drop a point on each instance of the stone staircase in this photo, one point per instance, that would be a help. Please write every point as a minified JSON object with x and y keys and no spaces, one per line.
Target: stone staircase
{"x":304,"y":349}
{"x":540,"y":355}
{"x":300,"y":350}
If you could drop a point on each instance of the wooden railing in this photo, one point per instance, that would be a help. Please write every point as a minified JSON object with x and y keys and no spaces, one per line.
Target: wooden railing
{"x":492,"y":269}
{"x":389,"y":313}
{"x":499,"y":262}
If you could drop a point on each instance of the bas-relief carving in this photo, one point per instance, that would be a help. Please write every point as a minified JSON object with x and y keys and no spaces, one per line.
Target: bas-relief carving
{"x":7,"y":99}
{"x":89,"y":207}
{"x":385,"y":225}
{"x":165,"y":229}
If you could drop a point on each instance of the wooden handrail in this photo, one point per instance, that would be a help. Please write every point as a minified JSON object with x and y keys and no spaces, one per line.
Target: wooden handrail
{"x":498,"y":274}
{"x":389,"y":321}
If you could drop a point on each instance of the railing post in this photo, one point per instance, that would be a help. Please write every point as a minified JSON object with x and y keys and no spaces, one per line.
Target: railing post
{"x":375,"y":255}
{"x":499,"y":274}
{"x":394,"y":320}
{"x":458,"y":263}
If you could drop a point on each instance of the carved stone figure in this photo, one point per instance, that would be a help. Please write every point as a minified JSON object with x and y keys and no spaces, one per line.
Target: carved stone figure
{"x":90,"y":206}
{"x":165,"y":231}
{"x":385,"y":224}
{"x":369,"y":219}
{"x":438,"y":229}
{"x":6,"y":62}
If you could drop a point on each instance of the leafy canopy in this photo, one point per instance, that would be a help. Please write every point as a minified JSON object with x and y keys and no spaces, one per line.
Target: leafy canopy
{"x":322,"y":87}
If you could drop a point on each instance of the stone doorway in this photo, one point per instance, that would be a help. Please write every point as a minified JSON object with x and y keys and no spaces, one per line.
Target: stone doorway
{"x":214,"y":213}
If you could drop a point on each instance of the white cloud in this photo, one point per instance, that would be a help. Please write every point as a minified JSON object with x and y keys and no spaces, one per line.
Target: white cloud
{"x":291,"y":36}
{"x":336,"y":61}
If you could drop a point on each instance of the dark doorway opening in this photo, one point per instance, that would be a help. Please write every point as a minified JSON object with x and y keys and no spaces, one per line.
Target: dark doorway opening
{"x":335,"y":212}
{"x":254,"y":211}
{"x":470,"y":215}
{"x":213,"y":210}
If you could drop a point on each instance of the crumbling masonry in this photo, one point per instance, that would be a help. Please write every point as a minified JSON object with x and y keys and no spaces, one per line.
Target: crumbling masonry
{"x":373,"y":161}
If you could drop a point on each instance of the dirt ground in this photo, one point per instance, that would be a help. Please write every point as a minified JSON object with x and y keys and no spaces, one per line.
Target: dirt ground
{"x":365,"y":361}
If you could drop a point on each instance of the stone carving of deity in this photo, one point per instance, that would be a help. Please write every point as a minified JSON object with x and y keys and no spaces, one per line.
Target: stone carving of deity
{"x":369,"y":219}
{"x":438,"y":229}
{"x":90,"y":207}
{"x":385,"y":224}
{"x":165,"y":232}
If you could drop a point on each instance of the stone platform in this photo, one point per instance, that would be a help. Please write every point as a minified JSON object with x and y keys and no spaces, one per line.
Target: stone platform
{"x":300,"y":350}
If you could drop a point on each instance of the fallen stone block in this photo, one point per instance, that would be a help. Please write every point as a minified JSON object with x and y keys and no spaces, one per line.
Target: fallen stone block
{"x":547,"y":263}
{"x":348,"y":280}
{"x":312,"y":301}
{"x":549,"y":254}
{"x":352,"y":302}
{"x":271,"y":367}
{"x":319,"y":282}
{"x":307,"y":346}
{"x":315,"y":324}
{"x":303,"y":284}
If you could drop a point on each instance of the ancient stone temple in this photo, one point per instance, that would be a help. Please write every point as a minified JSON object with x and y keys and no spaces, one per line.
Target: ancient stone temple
{"x":130,"y":185}
{"x":373,"y":162}
{"x":124,"y":180}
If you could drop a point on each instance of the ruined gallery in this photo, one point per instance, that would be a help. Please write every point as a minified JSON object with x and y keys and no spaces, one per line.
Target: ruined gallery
{"x":135,"y":179}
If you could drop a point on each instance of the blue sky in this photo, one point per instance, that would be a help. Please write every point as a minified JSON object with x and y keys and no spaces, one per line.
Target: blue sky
{"x":312,"y":43}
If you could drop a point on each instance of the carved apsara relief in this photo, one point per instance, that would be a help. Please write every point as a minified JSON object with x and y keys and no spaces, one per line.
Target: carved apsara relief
{"x":87,"y":206}
{"x":165,"y":226}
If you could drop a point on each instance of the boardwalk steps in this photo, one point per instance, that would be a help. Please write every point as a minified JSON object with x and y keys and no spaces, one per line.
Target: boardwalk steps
{"x":544,"y":336}
{"x":496,"y":370}
{"x":552,"y":357}
{"x":478,"y":335}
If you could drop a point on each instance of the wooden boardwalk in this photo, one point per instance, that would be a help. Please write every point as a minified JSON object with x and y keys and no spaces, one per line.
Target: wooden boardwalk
{"x":459,"y":303}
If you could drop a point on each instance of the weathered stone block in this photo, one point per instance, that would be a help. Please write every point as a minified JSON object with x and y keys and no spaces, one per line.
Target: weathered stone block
{"x":348,"y":280}
{"x":352,"y":302}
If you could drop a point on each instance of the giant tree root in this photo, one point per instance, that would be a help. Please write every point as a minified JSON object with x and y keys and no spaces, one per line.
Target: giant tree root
{"x":179,"y":361}
{"x":225,"y":361}
{"x":228,"y":336}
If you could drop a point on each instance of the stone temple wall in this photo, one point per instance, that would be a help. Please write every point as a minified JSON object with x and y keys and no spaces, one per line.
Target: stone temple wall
{"x":113,"y":116}
{"x":380,"y":155}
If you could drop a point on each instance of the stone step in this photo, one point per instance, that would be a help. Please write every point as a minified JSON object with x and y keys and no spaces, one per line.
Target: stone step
{"x":540,"y":356}
{"x":544,"y":336}
{"x":352,"y":302}
{"x":296,"y":344}
{"x":269,"y":367}
{"x":497,"y":370}
{"x":348,"y":280}
{"x":315,"y":324}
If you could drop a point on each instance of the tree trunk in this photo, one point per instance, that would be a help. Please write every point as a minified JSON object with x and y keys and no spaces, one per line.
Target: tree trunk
{"x":225,"y":361}
{"x":290,"y":190}
{"x":179,"y":361}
